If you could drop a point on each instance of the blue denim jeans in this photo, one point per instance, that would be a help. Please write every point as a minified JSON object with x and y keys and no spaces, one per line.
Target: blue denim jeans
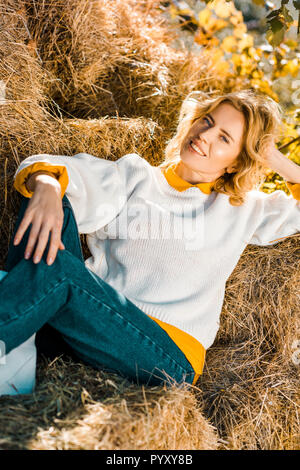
{"x":103,"y":328}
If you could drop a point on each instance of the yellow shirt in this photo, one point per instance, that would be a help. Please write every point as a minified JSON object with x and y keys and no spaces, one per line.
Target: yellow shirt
{"x":192,"y":348}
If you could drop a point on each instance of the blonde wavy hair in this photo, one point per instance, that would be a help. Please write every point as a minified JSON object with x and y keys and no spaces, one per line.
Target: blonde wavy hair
{"x":263,"y":117}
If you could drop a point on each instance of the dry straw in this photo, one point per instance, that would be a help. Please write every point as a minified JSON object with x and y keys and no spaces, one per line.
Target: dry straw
{"x":76,"y":407}
{"x":113,"y":62}
{"x":251,"y":381}
{"x":112,"y":58}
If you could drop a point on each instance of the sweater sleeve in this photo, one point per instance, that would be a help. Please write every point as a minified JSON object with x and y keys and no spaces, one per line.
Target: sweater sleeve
{"x":22,"y":176}
{"x":94,"y":186}
{"x":279,"y":218}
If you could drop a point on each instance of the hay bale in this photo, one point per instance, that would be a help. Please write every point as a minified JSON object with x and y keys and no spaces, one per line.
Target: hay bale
{"x":20,"y":71}
{"x":270,"y":418}
{"x":76,"y":407}
{"x":112,"y":138}
{"x":113,"y":58}
{"x":262,"y":300}
{"x":22,"y":106}
{"x":75,"y":40}
{"x":252,"y":399}
{"x":251,"y":381}
{"x":81,"y":43}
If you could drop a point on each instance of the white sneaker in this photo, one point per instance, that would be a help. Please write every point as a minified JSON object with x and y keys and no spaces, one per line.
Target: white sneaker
{"x":17,"y":368}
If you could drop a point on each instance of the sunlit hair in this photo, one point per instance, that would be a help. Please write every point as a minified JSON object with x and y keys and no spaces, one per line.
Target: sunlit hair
{"x":263,"y":117}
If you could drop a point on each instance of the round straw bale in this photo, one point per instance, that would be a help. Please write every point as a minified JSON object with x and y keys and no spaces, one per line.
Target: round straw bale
{"x":112,"y":138}
{"x":113,"y":58}
{"x":251,"y":397}
{"x":262,"y":300}
{"x":75,"y":40}
{"x":97,"y":410}
{"x":269,"y":414}
{"x":148,"y":419}
{"x":22,"y":93}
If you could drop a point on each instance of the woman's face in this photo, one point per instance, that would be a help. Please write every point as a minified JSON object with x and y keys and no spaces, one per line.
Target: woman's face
{"x":212,"y":144}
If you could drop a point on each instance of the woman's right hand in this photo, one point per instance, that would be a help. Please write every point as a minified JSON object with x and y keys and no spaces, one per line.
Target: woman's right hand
{"x":45,"y":213}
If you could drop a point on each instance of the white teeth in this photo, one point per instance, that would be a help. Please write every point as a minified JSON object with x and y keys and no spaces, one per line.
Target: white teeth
{"x":197,"y":149}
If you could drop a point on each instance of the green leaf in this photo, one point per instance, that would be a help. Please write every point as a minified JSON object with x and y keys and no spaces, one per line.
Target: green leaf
{"x":275,"y":38}
{"x":276,"y":25}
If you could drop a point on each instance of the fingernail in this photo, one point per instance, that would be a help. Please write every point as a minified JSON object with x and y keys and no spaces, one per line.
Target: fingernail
{"x":50,"y":261}
{"x":27,"y":255}
{"x":36,"y":259}
{"x":16,"y":241}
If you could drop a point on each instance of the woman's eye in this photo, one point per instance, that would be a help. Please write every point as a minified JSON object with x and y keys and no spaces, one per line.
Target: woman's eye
{"x":222,"y":136}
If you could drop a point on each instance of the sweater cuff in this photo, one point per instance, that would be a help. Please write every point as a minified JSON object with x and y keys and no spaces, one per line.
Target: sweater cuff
{"x":295,"y":189}
{"x":60,"y":173}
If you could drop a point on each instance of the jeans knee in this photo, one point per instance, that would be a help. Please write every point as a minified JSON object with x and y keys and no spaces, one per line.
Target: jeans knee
{"x":67,"y":262}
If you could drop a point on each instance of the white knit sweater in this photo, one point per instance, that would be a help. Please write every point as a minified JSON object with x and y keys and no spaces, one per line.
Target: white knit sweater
{"x":169,"y":252}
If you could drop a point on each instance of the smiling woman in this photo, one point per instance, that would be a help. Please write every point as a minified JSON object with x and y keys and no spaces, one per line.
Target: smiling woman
{"x":224,"y":140}
{"x":217,"y":147}
{"x":147,"y":302}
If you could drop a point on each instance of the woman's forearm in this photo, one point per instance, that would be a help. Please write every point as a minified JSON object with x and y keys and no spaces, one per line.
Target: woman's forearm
{"x":285,"y":167}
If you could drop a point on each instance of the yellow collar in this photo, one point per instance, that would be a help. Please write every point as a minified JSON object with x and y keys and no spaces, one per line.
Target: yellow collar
{"x":181,"y":185}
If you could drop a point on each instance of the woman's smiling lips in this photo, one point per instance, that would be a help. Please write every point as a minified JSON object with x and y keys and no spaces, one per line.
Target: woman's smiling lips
{"x":196,"y":149}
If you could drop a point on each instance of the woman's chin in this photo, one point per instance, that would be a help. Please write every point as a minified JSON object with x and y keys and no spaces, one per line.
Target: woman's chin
{"x":194,"y":162}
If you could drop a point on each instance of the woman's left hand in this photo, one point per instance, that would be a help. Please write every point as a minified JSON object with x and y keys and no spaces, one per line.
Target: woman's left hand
{"x":281,"y":164}
{"x":273,"y":156}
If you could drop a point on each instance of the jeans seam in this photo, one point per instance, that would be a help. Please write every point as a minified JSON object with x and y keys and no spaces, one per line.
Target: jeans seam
{"x":37,"y":303}
{"x":59,"y":283}
{"x":132,"y":326}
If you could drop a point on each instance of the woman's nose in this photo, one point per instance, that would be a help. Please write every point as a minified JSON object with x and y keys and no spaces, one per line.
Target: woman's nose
{"x":206,"y":135}
{"x":202,"y":137}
